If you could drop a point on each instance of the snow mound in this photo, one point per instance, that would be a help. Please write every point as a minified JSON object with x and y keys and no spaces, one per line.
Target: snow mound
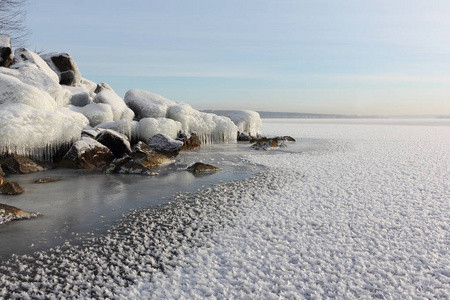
{"x":247,"y":121}
{"x":149,"y":127}
{"x":14,"y":90}
{"x":119,"y":108}
{"x":95,"y":113}
{"x":209,"y":127}
{"x":146,"y":104}
{"x":38,"y":133}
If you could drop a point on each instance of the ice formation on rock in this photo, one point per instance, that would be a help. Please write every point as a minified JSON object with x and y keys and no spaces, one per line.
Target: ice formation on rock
{"x":45,"y":103}
{"x":37,"y":133}
{"x":247,"y":121}
{"x":148,"y":127}
{"x":209,"y":127}
{"x":119,"y":108}
{"x":146,"y":104}
{"x":95,"y":113}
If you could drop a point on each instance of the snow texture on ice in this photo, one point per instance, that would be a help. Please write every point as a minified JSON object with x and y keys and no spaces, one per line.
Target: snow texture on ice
{"x":365,"y":216}
{"x":119,"y":108}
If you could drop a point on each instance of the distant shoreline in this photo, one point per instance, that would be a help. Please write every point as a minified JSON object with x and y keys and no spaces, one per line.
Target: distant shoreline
{"x":291,"y":115}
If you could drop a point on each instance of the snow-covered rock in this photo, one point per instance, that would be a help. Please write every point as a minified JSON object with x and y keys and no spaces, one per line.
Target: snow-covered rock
{"x":87,"y":153}
{"x":119,"y":108}
{"x":164,"y":144}
{"x":115,"y":141}
{"x":80,"y":99}
{"x":146,"y":104}
{"x":12,"y":90}
{"x":148,"y":127}
{"x":95,"y":113}
{"x":247,"y":121}
{"x":29,"y":131}
{"x":128,"y":128}
{"x":209,"y":127}
{"x":23,"y":56}
{"x":64,"y":66}
{"x":6,"y":56}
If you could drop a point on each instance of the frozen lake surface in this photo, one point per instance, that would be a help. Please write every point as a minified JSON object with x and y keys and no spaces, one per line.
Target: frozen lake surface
{"x":363,"y":215}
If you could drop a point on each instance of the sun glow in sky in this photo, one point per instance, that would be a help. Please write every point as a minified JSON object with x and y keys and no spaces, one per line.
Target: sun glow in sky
{"x":344,"y":57}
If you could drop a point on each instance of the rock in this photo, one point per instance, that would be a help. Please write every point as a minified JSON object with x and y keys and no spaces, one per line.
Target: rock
{"x":102,"y":86}
{"x":63,"y":65}
{"x":1,"y":171}
{"x":265,"y":144}
{"x":189,"y":143}
{"x":11,"y":188}
{"x":3,"y":181}
{"x":285,"y":138}
{"x":139,"y":161}
{"x":17,"y":164}
{"x":163,"y":144}
{"x":199,"y":167}
{"x":80,"y":99}
{"x":6,"y":56}
{"x":91,"y":133}
{"x":10,"y":213}
{"x":46,"y":180}
{"x":87,"y":153}
{"x":243,"y":137}
{"x":116,"y":142}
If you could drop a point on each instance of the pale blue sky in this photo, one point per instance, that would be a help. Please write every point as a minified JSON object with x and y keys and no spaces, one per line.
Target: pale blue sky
{"x":350,"y":57}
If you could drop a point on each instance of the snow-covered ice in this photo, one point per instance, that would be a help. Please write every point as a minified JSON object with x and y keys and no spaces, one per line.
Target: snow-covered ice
{"x":364,"y":216}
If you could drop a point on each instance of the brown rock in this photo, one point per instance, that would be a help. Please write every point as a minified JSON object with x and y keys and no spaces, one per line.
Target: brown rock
{"x":3,"y":181}
{"x":116,"y":142}
{"x":17,"y":164}
{"x":14,"y":211}
{"x":163,"y":144}
{"x":139,"y":161}
{"x":87,"y":153}
{"x":285,"y":138}
{"x":265,"y":144}
{"x":1,"y":171}
{"x":199,"y":167}
{"x":11,"y":188}
{"x":46,"y":180}
{"x":191,"y":143}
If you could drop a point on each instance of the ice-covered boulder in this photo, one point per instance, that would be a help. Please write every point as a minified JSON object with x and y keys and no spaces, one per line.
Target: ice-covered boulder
{"x":95,"y":113}
{"x":119,"y":108}
{"x":128,"y":128}
{"x":17,"y":164}
{"x":146,"y":104}
{"x":23,"y":56}
{"x":37,"y":133}
{"x":247,"y":121}
{"x":87,"y":153}
{"x":64,"y":66}
{"x":33,"y":74}
{"x":6,"y":55}
{"x":209,"y":127}
{"x":116,"y":142}
{"x":164,"y":144}
{"x":12,"y":90}
{"x":148,"y":127}
{"x":80,"y":99}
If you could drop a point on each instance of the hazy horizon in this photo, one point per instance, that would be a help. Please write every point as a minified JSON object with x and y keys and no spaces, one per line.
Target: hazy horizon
{"x":346,"y":57}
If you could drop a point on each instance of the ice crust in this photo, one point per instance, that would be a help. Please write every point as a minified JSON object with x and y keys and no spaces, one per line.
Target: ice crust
{"x":119,"y":108}
{"x":365,"y":216}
